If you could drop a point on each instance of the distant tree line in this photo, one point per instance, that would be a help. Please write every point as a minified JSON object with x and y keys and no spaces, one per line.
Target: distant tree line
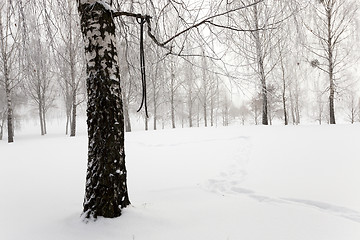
{"x":285,"y":61}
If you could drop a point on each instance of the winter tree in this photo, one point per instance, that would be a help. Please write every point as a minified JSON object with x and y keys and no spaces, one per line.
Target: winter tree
{"x":10,"y":35}
{"x":106,"y":186}
{"x":331,"y":28}
{"x":69,"y":59}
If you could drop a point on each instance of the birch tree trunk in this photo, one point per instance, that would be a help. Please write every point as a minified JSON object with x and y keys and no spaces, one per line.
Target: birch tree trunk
{"x":261,"y":69}
{"x":330,"y":50}
{"x":1,"y":128}
{"x":40,"y":109}
{"x":106,"y":185}
{"x":10,"y":120}
{"x":74,"y":89}
{"x":172,"y":96}
{"x":286,"y":121}
{"x":7,"y":81}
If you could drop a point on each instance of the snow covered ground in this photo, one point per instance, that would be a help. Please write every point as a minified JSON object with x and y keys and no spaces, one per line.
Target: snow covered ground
{"x":251,"y":183}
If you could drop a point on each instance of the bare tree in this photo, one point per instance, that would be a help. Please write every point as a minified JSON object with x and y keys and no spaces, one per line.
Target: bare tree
{"x":69,"y":59}
{"x":332,"y":19}
{"x":106,"y":188}
{"x":352,"y":106}
{"x":190,"y":90}
{"x":9,"y":44}
{"x":39,"y":83}
{"x":207,"y":89}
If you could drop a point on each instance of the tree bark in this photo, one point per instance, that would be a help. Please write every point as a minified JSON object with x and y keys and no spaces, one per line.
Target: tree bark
{"x":74,"y":87}
{"x":68,"y":121}
{"x":205,"y":113}
{"x":1,"y":132}
{"x":286,"y":121}
{"x":172,"y":96}
{"x":106,"y":185}
{"x":331,"y":66}
{"x":127,"y":117}
{"x":44,"y":118}
{"x":146,"y":123}
{"x":190,"y":105}
{"x":212,"y":111}
{"x":41,"y":118}
{"x":155,"y":108}
{"x":261,"y":69}
{"x":10,"y":119}
{"x":73,"y":118}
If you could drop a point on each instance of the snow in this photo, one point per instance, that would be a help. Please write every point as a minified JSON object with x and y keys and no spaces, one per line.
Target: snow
{"x":253,"y":183}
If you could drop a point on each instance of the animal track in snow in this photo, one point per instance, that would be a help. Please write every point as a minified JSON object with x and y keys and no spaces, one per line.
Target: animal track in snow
{"x":229,"y":182}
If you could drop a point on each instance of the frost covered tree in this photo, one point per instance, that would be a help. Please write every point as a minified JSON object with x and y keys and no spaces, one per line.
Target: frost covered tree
{"x":9,"y":72}
{"x":331,"y":28}
{"x":106,"y":187}
{"x":255,"y":38}
{"x":69,"y":60}
{"x":39,"y":84}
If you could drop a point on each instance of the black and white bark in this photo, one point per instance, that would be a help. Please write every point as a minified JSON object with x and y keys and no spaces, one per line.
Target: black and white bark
{"x":261,"y":67}
{"x":2,"y":123}
{"x":8,"y":56}
{"x":106,"y":185}
{"x":172,"y":95}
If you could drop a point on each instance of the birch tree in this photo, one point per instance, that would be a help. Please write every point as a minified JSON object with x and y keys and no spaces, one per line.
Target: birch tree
{"x":69,"y":58}
{"x":9,"y":43}
{"x":39,"y":84}
{"x":332,"y":21}
{"x":106,"y":186}
{"x":106,"y":190}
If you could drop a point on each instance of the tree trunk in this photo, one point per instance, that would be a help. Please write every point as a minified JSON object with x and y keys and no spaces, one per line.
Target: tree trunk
{"x":212,"y":111}
{"x":292,"y":107}
{"x":5,"y":60}
{"x":73,"y":118}
{"x":172,"y":97}
{"x":68,"y":121}
{"x":1,"y":131}
{"x":10,"y":119}
{"x":331,"y":64}
{"x":331,"y":100}
{"x":41,"y":119}
{"x":190,"y":106}
{"x":106,"y":185}
{"x":127,"y":117}
{"x":74,"y":87}
{"x":2,"y":125}
{"x":44,"y":119}
{"x":261,"y":69}
{"x":146,"y":123}
{"x":297,"y":106}
{"x":286,"y":122}
{"x":172,"y":112}
{"x":198,"y":116}
{"x":155,"y":98}
{"x":10,"y":116}
{"x":205,"y":113}
{"x":155,"y":112}
{"x":269,"y":114}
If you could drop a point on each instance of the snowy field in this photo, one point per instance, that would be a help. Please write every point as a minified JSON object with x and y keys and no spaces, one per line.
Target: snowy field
{"x":250,"y":183}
